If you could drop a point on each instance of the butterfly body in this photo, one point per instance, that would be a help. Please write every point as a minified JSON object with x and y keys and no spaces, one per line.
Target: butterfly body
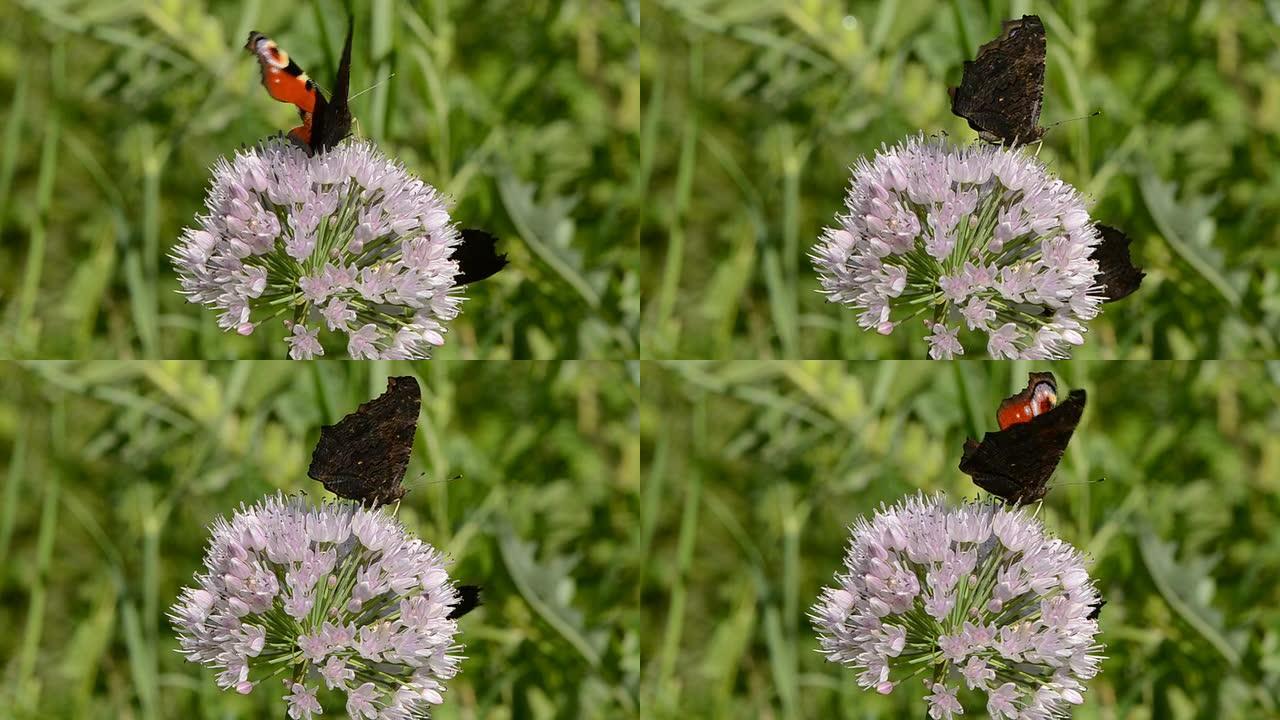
{"x":1016,"y":462}
{"x":325,"y":121}
{"x":1001,"y":92}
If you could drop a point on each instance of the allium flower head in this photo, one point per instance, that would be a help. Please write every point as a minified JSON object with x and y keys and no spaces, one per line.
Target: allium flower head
{"x":346,"y":242}
{"x":977,"y":597}
{"x":336,"y":596}
{"x":980,"y":239}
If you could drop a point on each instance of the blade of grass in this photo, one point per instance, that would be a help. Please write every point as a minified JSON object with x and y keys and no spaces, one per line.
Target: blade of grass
{"x":381,"y":49}
{"x":674,"y":260}
{"x":29,"y":689}
{"x":34,"y":269}
{"x":12,"y":484}
{"x":781,"y":304}
{"x":16,"y":117}
{"x":141,"y":663}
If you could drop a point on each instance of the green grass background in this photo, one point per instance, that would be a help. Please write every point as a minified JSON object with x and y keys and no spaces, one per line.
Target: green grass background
{"x":755,"y":109}
{"x":111,"y":113}
{"x":110,"y":473}
{"x":753,"y":470}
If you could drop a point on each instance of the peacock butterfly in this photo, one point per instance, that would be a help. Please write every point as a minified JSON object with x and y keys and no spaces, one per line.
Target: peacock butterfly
{"x":1001,"y":92}
{"x":1016,"y":462}
{"x":327,"y":121}
{"x":364,"y":456}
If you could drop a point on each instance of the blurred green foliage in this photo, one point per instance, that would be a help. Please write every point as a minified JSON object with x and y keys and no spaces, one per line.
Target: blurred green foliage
{"x":755,"y":109}
{"x":110,"y":473}
{"x":754,"y":470}
{"x":112,"y":112}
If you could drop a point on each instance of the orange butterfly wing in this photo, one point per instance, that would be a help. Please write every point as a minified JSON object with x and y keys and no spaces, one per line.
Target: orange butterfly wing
{"x":285,"y":81}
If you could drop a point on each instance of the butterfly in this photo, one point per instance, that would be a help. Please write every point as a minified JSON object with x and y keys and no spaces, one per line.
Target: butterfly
{"x":1016,"y":462}
{"x":364,"y":456}
{"x":1001,"y":92}
{"x":1117,"y":274}
{"x":326,"y":122}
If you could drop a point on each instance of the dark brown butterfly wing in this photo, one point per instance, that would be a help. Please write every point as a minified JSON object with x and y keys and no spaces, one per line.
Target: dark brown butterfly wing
{"x":364,"y":456}
{"x":332,"y":120}
{"x":477,"y":256}
{"x":1117,"y":274}
{"x":468,"y":600}
{"x":1016,"y":463}
{"x":1001,"y":92}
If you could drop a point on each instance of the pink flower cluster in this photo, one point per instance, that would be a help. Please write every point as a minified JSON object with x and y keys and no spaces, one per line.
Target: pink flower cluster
{"x":337,"y":594}
{"x":978,"y":595}
{"x":979,"y":238}
{"x":345,"y":242}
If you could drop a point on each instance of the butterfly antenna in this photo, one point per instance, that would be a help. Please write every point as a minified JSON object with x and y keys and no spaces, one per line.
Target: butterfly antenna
{"x":1086,"y":482}
{"x":374,"y":86}
{"x":423,"y":474}
{"x":1095,"y":113}
{"x":444,"y":480}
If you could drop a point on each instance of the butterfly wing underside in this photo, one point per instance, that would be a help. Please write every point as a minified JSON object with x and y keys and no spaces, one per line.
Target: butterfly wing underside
{"x":468,"y":600}
{"x":332,"y":121}
{"x":1117,"y":274}
{"x":1016,"y":463}
{"x":1001,"y":92}
{"x":477,"y":256}
{"x":364,"y":455}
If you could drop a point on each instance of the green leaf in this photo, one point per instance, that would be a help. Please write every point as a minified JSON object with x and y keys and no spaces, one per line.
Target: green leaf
{"x":1190,"y":230}
{"x":548,"y":230}
{"x":1188,"y":588}
{"x":547,"y":588}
